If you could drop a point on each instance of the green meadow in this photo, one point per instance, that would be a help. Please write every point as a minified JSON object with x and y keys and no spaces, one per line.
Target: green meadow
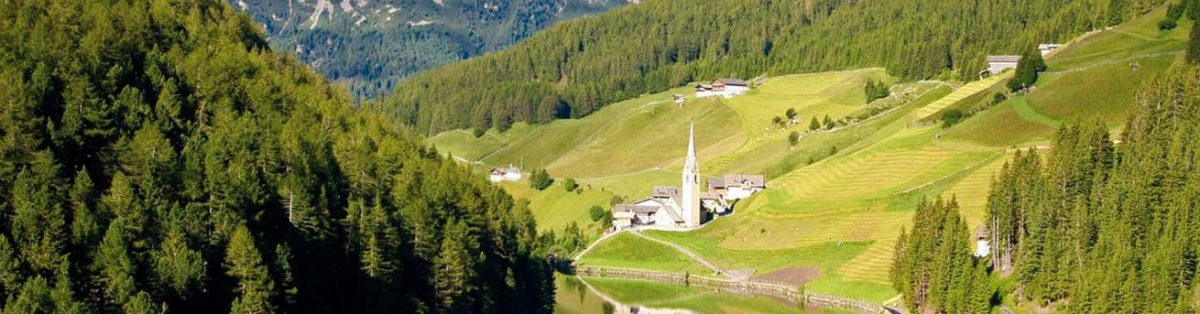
{"x":837,"y":200}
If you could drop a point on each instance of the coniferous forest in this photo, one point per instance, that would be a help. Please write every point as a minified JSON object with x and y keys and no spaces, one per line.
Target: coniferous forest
{"x":572,"y":70}
{"x":158,"y":156}
{"x":1091,"y":225}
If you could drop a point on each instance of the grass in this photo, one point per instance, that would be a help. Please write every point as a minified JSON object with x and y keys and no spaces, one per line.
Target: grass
{"x":626,"y":250}
{"x":555,"y":208}
{"x":973,"y":88}
{"x":667,"y":296}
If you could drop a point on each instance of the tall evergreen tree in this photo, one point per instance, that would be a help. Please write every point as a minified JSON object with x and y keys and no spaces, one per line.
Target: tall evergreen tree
{"x":244,"y":263}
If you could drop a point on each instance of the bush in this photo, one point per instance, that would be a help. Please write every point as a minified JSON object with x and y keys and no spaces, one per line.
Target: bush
{"x":540,"y":179}
{"x":616,"y":199}
{"x":570,"y":184}
{"x":814,"y":125}
{"x":1167,"y":24}
{"x":478,"y":132}
{"x":794,"y":138}
{"x":596,"y":213}
{"x":951,"y":117}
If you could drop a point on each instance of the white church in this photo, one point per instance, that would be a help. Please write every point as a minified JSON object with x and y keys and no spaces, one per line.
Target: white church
{"x":685,"y":206}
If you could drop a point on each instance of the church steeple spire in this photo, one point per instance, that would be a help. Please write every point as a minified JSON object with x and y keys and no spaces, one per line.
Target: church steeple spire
{"x":690,"y":188}
{"x":690,"y":165}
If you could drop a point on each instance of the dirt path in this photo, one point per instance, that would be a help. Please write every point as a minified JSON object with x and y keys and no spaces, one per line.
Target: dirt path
{"x":594,"y":244}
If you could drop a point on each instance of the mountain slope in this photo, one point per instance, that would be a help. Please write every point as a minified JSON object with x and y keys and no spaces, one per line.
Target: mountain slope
{"x":837,"y":199}
{"x":371,"y":45}
{"x":157,"y":155}
{"x":575,"y":68}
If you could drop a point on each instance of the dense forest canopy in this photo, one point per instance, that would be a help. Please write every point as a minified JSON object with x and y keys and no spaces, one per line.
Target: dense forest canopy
{"x":157,"y":155}
{"x":371,"y":45}
{"x":574,"y":68}
{"x":1090,"y":226}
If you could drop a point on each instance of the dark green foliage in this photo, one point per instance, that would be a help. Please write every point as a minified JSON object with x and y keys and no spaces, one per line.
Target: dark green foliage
{"x":933,"y":266}
{"x":570,"y":185}
{"x":793,"y":138}
{"x":814,"y":124}
{"x":1027,"y":70}
{"x":158,"y":155}
{"x":1193,"y":44}
{"x":1112,"y":228}
{"x":876,"y":90}
{"x":951,"y":116}
{"x":588,"y":63}
{"x":596,"y":213}
{"x":828,"y":122}
{"x":540,"y":179}
{"x":791,"y":114}
{"x":776,"y":120}
{"x":1167,"y":24}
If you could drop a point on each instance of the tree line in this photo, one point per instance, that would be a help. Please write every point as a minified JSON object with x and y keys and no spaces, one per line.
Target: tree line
{"x":576,"y":67}
{"x":158,"y":156}
{"x":1090,"y":225}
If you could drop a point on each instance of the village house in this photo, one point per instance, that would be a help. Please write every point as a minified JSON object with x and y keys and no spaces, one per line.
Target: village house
{"x":511,"y":173}
{"x":724,"y":87}
{"x":733,"y":187}
{"x":997,"y":64}
{"x":1045,"y":49}
{"x":982,"y":247}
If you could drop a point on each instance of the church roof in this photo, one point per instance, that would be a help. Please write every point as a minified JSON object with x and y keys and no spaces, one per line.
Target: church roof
{"x":664,"y":192}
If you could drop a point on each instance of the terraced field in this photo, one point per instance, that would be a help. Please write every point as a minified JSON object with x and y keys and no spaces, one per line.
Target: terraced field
{"x":961,"y":93}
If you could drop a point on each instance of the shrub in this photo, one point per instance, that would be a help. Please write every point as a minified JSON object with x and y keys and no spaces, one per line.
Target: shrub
{"x":540,"y":179}
{"x":794,"y":138}
{"x":1167,"y":24}
{"x":478,"y":132}
{"x":596,"y":213}
{"x":951,"y":117}
{"x":570,"y":184}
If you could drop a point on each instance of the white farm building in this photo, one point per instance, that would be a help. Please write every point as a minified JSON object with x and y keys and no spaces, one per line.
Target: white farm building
{"x":724,"y":87}
{"x":506,"y":174}
{"x":997,"y":64}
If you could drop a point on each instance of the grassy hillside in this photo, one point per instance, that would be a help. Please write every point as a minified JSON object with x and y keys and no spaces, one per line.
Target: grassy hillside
{"x":1091,"y":79}
{"x":837,"y":200}
{"x":575,"y":68}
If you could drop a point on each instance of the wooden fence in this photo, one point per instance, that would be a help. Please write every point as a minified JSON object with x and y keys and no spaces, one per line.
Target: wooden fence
{"x":752,"y":288}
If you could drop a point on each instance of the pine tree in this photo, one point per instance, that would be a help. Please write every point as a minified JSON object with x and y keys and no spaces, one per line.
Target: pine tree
{"x":34,"y":297}
{"x":116,"y":264}
{"x":10,"y":276}
{"x":85,"y":220}
{"x":177,"y":266}
{"x":455,"y":273}
{"x":244,"y":263}
{"x":39,"y":224}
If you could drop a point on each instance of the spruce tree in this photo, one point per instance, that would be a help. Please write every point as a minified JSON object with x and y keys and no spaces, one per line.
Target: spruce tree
{"x":455,"y":271}
{"x":244,"y":263}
